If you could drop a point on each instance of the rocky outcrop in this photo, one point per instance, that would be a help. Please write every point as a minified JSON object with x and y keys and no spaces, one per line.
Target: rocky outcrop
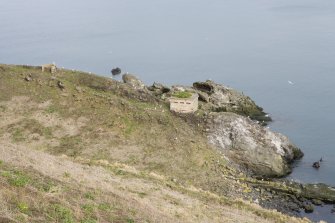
{"x":133,"y":81}
{"x":228,"y":116}
{"x":320,"y":191}
{"x":159,"y":89}
{"x":219,"y":98}
{"x":250,"y":145}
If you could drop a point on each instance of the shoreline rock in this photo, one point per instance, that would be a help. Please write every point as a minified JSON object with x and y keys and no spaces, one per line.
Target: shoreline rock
{"x":263,"y":152}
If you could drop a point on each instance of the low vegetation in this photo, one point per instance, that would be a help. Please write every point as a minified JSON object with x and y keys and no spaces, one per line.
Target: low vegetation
{"x":135,"y":152}
{"x":182,"y":94}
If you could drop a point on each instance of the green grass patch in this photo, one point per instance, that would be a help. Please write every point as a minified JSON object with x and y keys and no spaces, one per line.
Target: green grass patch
{"x":23,"y":207}
{"x":88,"y":209}
{"x":130,"y":220}
{"x":16,"y":178}
{"x":89,"y":195}
{"x":61,"y":214}
{"x":88,"y":220}
{"x":182,"y":94}
{"x":105,"y":207}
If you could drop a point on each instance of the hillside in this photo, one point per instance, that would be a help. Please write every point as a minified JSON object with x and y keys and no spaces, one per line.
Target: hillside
{"x":76,"y":147}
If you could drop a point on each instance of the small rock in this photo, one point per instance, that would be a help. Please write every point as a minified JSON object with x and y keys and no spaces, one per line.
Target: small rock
{"x":203,"y":96}
{"x":308,"y":208}
{"x":28,"y":77}
{"x":317,"y":202}
{"x":316,"y":165}
{"x":133,"y":81}
{"x":60,"y":85}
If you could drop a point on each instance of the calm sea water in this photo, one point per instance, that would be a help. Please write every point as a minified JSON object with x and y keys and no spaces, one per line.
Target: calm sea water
{"x":280,"y":52}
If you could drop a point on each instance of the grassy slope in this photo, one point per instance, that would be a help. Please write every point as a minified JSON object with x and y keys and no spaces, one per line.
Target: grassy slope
{"x":92,"y":125}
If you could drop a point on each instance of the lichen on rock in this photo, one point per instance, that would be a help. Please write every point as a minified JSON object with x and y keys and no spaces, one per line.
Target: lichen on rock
{"x":263,"y":152}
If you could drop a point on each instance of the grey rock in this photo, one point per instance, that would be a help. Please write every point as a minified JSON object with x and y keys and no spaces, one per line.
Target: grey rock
{"x":263,"y":152}
{"x":159,"y":89}
{"x":203,"y":96}
{"x":317,"y":202}
{"x":207,"y":87}
{"x":61,"y":85}
{"x":320,"y":191}
{"x":133,"y":81}
{"x":308,"y":208}
{"x":224,"y":99}
{"x":28,"y":78}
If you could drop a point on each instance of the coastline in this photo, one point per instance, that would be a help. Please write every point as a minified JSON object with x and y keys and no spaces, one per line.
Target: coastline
{"x":260,"y":188}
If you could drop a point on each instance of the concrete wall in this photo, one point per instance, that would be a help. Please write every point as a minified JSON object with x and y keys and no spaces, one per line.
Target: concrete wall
{"x":187,"y":105}
{"x":49,"y":68}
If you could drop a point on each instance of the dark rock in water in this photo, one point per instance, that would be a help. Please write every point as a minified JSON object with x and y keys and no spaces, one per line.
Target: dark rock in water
{"x":317,"y":202}
{"x":333,"y":211}
{"x":308,"y":208}
{"x":316,"y":165}
{"x":116,"y":71}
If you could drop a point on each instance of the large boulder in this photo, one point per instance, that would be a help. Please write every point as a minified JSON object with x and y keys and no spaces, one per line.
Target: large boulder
{"x":261,"y":151}
{"x":159,"y":89}
{"x":133,"y":81}
{"x":220,"y":98}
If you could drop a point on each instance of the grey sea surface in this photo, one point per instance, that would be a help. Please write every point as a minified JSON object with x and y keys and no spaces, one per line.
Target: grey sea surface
{"x":279,"y":52}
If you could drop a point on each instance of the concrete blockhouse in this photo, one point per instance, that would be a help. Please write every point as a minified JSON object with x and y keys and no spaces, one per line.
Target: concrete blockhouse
{"x":49,"y":68}
{"x":184,"y":105}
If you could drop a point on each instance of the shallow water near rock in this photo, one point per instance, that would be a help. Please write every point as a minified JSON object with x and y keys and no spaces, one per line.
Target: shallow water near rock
{"x":321,"y":212}
{"x":281,"y":53}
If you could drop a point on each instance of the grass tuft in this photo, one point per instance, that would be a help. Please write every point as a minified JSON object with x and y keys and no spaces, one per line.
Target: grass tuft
{"x":23,"y":207}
